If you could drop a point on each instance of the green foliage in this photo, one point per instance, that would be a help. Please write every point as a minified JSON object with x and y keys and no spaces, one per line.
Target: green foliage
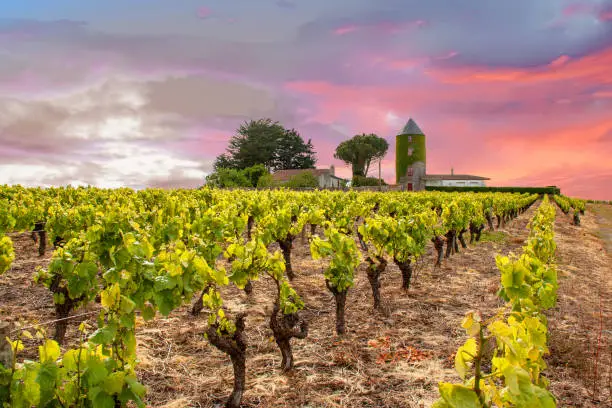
{"x":292,"y":153}
{"x":361,"y":181}
{"x":567,"y":203}
{"x":7,"y":254}
{"x":254,"y":173}
{"x":409,"y":149}
{"x":530,"y":190}
{"x":303,"y":180}
{"x":360,"y":151}
{"x":150,"y":251}
{"x":265,"y":181}
{"x":85,"y":376}
{"x":267,"y":143}
{"x":529,"y":285}
{"x":343,"y":254}
{"x":402,"y":239}
{"x":228,"y":178}
{"x":494,"y":236}
{"x":254,"y":176}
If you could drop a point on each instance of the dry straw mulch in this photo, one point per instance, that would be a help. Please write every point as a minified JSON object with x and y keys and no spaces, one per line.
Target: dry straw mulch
{"x":389,"y":358}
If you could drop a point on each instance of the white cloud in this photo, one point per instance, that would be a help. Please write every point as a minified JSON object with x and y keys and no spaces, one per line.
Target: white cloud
{"x":393,"y":120}
{"x":32,"y":175}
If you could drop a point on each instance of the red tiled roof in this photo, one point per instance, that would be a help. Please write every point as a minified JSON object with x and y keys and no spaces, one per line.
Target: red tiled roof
{"x":453,"y":177}
{"x":286,"y":175}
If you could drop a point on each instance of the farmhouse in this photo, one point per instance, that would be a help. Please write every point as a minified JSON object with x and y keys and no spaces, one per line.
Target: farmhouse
{"x":410,"y":164}
{"x":454,"y":180}
{"x":327,"y":177}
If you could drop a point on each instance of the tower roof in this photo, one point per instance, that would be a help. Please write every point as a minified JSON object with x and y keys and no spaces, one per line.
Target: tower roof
{"x":411,"y":128}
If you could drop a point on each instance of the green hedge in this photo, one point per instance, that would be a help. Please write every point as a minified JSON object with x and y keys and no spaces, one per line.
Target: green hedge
{"x":360,"y":181}
{"x":531,"y":190}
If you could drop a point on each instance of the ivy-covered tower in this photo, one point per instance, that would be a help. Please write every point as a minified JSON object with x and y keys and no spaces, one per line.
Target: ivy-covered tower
{"x":410,"y":157}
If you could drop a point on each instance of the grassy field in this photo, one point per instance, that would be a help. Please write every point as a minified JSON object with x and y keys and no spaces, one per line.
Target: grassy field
{"x":603,"y":213}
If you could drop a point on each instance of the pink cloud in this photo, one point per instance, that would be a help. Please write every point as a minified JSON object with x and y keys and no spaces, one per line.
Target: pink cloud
{"x":560,"y":61}
{"x":345,"y":29}
{"x":204,"y":12}
{"x":387,"y":27}
{"x":402,"y":64}
{"x":393,"y":27}
{"x":577,"y":9}
{"x":602,"y":94}
{"x":449,"y":55}
{"x":593,"y":68}
{"x":559,"y":151}
{"x":581,"y":9}
{"x":605,"y":15}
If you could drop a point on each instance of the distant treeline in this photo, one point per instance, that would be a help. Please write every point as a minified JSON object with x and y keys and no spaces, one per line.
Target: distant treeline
{"x":531,"y":190}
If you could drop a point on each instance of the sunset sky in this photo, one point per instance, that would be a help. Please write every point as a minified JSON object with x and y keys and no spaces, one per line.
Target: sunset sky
{"x":144,"y":93}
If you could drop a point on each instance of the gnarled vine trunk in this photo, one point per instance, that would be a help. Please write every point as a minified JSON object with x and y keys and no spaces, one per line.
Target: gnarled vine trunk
{"x":6,"y":351}
{"x":285,"y":327}
{"x":473,"y":232}
{"x":248,"y":288}
{"x":250,"y":222}
{"x":340,"y":300}
{"x":479,"y":232}
{"x":198,"y":305}
{"x":286,"y":246}
{"x":374,"y":270}
{"x":39,"y":235}
{"x":451,"y":246}
{"x":233,"y":345}
{"x":406,"y":269}
{"x":489,"y":218}
{"x":362,"y":243}
{"x":462,"y":239}
{"x":439,"y":246}
{"x":62,"y":311}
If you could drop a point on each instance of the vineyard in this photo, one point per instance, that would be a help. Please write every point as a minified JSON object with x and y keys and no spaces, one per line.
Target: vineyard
{"x":279,"y":298}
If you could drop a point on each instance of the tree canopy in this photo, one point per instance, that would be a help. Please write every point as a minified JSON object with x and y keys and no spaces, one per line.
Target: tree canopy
{"x":249,"y":177}
{"x":268,"y":143}
{"x":360,"y":151}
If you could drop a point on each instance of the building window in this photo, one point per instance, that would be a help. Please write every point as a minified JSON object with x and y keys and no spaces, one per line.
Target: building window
{"x":409,"y":139}
{"x":410,"y":151}
{"x":410,"y":171}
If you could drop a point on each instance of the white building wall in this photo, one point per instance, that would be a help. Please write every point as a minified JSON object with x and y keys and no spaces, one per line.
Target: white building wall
{"x":455,"y":183}
{"x":327,"y":181}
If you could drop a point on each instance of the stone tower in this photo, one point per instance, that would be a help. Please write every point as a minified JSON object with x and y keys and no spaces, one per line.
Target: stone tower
{"x":410,"y":157}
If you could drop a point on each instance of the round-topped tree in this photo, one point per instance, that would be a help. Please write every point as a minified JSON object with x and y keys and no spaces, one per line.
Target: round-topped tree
{"x":410,"y":156}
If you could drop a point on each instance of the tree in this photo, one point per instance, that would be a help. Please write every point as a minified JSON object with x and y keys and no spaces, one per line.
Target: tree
{"x":305,"y":179}
{"x":293,"y":153}
{"x":361,"y":151}
{"x":254,"y":173}
{"x":227,"y":178}
{"x":224,"y":177}
{"x":268,"y":143}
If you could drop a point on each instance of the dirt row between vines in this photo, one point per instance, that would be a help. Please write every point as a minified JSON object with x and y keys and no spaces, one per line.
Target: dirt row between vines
{"x":580,"y":326}
{"x":390,"y":359}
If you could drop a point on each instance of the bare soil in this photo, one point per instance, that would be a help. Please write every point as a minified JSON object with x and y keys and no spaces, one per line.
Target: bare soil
{"x":393,"y":358}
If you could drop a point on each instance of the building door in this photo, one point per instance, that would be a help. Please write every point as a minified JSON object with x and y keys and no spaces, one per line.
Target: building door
{"x":409,"y":187}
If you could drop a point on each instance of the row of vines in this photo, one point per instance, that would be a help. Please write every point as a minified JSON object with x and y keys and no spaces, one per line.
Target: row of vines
{"x":502,"y":361}
{"x":576,"y":206}
{"x":152,"y":251}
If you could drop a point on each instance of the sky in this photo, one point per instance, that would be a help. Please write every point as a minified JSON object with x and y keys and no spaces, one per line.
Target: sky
{"x":146,"y":93}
